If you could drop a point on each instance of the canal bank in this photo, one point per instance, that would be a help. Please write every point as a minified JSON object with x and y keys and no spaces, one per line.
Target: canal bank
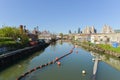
{"x":95,"y":48}
{"x":70,"y":69}
{"x":14,"y":56}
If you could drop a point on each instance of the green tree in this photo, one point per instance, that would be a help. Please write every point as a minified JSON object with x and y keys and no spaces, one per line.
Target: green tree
{"x":8,"y":31}
{"x":24,"y":38}
{"x":61,"y":34}
{"x":14,"y":33}
{"x":53,"y":36}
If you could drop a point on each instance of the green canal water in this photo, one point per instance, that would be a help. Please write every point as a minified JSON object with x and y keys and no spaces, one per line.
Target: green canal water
{"x":71,"y":65}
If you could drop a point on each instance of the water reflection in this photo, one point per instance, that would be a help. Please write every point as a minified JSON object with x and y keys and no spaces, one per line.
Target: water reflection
{"x":70,"y":69}
{"x":60,"y":42}
{"x":15,"y":70}
{"x":113,"y":61}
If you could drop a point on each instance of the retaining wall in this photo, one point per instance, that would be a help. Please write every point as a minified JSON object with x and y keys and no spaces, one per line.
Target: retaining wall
{"x":12,"y":57}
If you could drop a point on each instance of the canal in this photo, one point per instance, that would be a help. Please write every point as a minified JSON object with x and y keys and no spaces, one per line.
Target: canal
{"x":71,"y":66}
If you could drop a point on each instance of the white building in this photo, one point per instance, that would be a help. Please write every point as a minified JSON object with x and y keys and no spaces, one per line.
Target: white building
{"x":44,"y":35}
{"x":105,"y":38}
{"x":107,"y":29}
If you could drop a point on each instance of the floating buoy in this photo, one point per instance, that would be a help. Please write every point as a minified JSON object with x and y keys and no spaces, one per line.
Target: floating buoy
{"x":52,"y":62}
{"x":29,"y":72}
{"x":56,"y":58}
{"x":83,"y":72}
{"x":22,"y":75}
{"x":93,"y":59}
{"x":40,"y":66}
{"x":46,"y":64}
{"x":49,"y":63}
{"x":58,"y":63}
{"x":34,"y":69}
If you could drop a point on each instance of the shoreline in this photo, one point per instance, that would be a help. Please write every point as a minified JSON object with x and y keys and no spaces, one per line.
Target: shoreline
{"x":97,"y":49}
{"x":17,"y":55}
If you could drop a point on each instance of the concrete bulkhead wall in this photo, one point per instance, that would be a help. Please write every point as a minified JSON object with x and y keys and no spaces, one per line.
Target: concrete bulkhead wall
{"x":14,"y":56}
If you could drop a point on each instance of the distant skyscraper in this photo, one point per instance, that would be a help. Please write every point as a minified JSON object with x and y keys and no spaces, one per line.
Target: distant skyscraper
{"x":93,"y":29}
{"x":107,"y":29}
{"x":89,"y":30}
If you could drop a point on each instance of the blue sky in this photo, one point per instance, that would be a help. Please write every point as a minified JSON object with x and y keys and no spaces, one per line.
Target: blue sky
{"x":60,"y":15}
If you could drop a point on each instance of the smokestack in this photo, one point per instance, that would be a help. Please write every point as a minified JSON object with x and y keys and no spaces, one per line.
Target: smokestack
{"x":21,"y":29}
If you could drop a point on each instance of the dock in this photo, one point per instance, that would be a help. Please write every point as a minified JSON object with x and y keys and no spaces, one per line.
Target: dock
{"x":96,"y":60}
{"x":95,"y":66}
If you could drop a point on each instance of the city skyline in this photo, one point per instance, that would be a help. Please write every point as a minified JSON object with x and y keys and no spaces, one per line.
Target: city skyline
{"x":60,"y":15}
